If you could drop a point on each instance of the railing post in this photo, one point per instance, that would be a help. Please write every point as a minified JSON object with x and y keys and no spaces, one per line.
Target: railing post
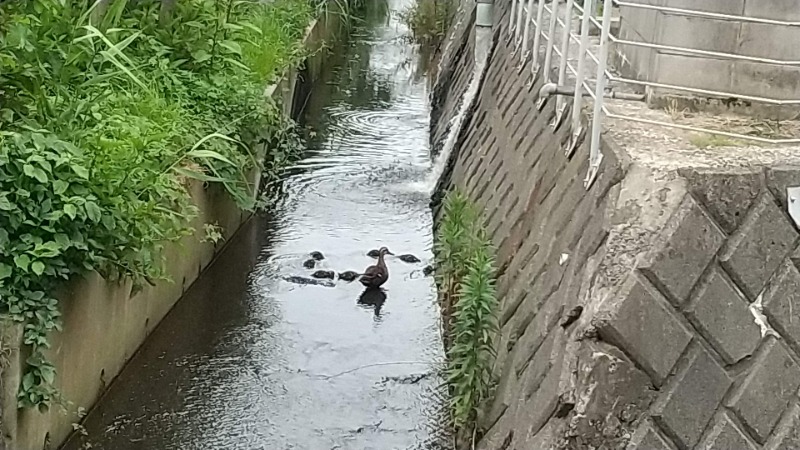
{"x":537,"y":40}
{"x":484,"y":13}
{"x":511,"y":17}
{"x":577,"y":100}
{"x":548,"y":55}
{"x":595,"y":155}
{"x":527,"y":35}
{"x":518,"y":29}
{"x":562,"y":64}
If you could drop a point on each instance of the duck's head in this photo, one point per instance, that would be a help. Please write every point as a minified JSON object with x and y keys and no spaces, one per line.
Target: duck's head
{"x":385,"y":251}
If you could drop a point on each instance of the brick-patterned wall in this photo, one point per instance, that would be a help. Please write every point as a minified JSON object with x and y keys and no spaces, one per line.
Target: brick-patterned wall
{"x":690,"y":317}
{"x":631,"y":312}
{"x":457,"y":64}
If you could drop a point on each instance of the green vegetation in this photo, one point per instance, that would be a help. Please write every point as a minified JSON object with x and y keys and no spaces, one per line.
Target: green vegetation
{"x":465,"y":274}
{"x":708,"y":140}
{"x":107,"y":110}
{"x":429,"y":20}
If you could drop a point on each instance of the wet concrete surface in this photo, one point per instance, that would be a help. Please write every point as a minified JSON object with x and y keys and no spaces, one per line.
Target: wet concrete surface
{"x":252,"y":359}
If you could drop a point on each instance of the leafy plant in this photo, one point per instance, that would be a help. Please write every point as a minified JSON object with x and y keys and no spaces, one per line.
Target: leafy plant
{"x":465,"y":274}
{"x":429,"y":20}
{"x":105,"y":115}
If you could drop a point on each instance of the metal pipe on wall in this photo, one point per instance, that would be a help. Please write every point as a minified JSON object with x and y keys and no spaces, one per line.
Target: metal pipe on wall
{"x":484,"y":13}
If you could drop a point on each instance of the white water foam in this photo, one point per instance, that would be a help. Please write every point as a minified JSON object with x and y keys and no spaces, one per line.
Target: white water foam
{"x":483,"y":42}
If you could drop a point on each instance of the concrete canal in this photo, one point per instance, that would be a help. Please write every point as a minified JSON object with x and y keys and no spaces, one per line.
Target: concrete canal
{"x":249,"y":360}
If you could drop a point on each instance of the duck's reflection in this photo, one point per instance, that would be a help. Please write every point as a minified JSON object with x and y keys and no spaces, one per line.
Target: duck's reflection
{"x":373,"y":298}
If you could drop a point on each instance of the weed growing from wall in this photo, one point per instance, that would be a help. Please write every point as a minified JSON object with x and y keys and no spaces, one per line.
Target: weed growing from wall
{"x":465,"y":274}
{"x":104,"y":116}
{"x":429,"y":20}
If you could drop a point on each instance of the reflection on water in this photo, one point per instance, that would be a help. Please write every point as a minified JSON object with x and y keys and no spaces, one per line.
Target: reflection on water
{"x":253,"y":357}
{"x":373,"y":299}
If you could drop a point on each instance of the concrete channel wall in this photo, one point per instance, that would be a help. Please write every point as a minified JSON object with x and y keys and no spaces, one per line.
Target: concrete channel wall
{"x":759,"y":40}
{"x":653,"y":311}
{"x":104,"y":323}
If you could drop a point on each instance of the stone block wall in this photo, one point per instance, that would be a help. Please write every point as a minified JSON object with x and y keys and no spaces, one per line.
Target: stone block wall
{"x":456,"y":65}
{"x":655,"y":310}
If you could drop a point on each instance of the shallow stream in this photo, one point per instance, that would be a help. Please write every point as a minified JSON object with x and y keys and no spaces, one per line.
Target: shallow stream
{"x":248,"y":360}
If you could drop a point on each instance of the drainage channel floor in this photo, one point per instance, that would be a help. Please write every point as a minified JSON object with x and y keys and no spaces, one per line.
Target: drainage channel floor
{"x":248,"y":360}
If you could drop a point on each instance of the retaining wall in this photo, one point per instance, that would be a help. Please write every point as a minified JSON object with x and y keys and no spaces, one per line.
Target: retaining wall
{"x":104,"y":322}
{"x":653,"y":311}
{"x":749,"y":78}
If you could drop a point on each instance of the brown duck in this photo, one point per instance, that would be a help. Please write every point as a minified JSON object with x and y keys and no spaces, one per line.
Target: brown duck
{"x":375,"y":276}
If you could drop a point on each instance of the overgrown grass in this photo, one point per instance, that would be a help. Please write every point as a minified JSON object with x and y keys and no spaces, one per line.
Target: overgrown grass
{"x":708,"y":140}
{"x":465,"y":274}
{"x":429,"y":20}
{"x":103,"y":118}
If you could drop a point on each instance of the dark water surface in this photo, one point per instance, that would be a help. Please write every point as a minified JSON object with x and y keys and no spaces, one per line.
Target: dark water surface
{"x":248,"y":360}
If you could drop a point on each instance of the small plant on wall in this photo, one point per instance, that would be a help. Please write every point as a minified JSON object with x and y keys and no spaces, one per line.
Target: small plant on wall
{"x":429,"y":20}
{"x":465,"y":274}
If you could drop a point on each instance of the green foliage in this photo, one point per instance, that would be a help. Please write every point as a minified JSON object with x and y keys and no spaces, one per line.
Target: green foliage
{"x":474,"y":324}
{"x":465,"y":273}
{"x":429,"y":20}
{"x":456,"y":239}
{"x":104,"y":117}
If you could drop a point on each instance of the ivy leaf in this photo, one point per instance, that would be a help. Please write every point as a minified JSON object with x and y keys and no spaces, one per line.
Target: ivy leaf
{"x":5,"y":271}
{"x":60,"y":186}
{"x":80,"y":170}
{"x":40,"y":175}
{"x":48,"y":374}
{"x":62,"y":240}
{"x":48,"y":249}
{"x":35,"y":172}
{"x":5,"y":204}
{"x":70,"y":210}
{"x":93,"y":211}
{"x":22,"y":261}
{"x":27,"y":382}
{"x":37,"y":267}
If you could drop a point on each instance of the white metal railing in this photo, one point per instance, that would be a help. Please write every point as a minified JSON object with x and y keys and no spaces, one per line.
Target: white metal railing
{"x":533,"y":39}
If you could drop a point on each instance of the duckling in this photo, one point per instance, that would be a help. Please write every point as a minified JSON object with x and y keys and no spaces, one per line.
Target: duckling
{"x":374,"y":253}
{"x":375,"y":276}
{"x":318,"y":256}
{"x":308,"y":281}
{"x":310,"y":263}
{"x":324,"y":274}
{"x":428,"y":270}
{"x":411,"y":259}
{"x":348,"y":275}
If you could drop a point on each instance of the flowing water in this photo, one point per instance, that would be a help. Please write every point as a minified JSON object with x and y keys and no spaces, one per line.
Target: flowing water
{"x":249,"y":360}
{"x":483,"y":42}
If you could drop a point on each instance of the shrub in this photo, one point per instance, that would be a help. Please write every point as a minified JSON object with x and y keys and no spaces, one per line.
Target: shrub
{"x":429,"y":20}
{"x":104,"y":116}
